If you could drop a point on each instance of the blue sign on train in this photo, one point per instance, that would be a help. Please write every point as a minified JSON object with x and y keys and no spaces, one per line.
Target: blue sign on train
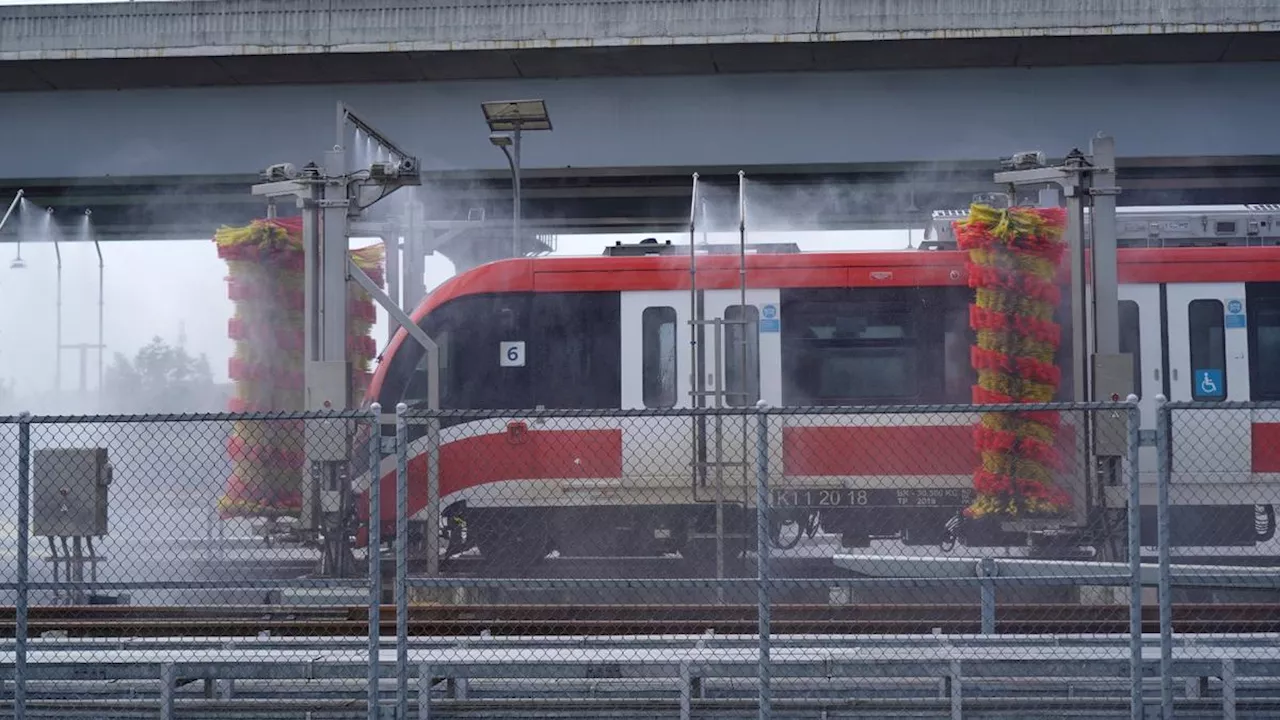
{"x":769,"y":320}
{"x":1235,"y":314}
{"x":1209,"y":384}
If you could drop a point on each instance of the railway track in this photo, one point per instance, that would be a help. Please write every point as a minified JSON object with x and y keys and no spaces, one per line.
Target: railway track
{"x":463,"y":620}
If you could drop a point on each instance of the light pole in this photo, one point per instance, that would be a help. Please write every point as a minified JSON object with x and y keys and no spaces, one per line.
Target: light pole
{"x":507,"y":120}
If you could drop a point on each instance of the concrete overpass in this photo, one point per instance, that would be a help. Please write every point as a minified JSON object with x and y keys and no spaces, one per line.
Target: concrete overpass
{"x":157,"y":115}
{"x":179,"y":161}
{"x":236,"y":42}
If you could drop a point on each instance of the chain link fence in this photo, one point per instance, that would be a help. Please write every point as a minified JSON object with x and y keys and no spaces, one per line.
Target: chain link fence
{"x":1215,"y":543}
{"x":948,"y":561}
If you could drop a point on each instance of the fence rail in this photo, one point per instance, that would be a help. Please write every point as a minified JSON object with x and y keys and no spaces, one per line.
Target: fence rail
{"x":966,"y":560}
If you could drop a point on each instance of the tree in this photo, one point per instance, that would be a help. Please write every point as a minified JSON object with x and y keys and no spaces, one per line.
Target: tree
{"x":160,"y":379}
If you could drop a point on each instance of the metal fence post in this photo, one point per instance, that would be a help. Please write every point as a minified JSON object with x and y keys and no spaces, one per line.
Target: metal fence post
{"x":762,"y":559}
{"x":987,"y":590}
{"x":1163,"y":479}
{"x":1135,"y":561}
{"x":402,"y":562}
{"x":24,"y":549}
{"x":375,"y":558}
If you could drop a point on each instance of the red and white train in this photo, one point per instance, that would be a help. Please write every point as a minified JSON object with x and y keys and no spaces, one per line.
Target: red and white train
{"x":1199,"y":311}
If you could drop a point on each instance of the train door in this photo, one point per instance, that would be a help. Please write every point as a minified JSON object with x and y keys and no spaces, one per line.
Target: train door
{"x":1140,"y":329}
{"x":1208,"y":362}
{"x":743,"y":367}
{"x":656,"y":373}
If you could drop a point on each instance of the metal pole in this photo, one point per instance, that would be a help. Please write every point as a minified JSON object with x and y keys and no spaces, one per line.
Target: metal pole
{"x":1135,"y":563}
{"x":24,"y":530}
{"x":515,"y":189}
{"x":765,"y":669}
{"x":102,"y":348}
{"x":1162,"y":538}
{"x":719,"y":455}
{"x":987,"y":569}
{"x":1106,"y":300}
{"x":433,"y":496}
{"x":402,"y":561}
{"x":1080,"y":346}
{"x":57,"y":371}
{"x":693,"y":282}
{"x":375,"y":557}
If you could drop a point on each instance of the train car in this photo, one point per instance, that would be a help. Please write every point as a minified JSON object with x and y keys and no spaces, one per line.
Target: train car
{"x":1199,"y":291}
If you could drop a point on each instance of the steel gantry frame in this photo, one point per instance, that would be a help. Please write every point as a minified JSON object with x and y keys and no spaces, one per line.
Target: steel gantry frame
{"x":1100,"y":372}
{"x":332,"y":199}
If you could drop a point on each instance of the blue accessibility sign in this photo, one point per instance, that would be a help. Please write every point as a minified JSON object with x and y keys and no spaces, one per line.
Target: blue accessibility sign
{"x":1209,"y":384}
{"x":1235,"y":314}
{"x":769,"y":321}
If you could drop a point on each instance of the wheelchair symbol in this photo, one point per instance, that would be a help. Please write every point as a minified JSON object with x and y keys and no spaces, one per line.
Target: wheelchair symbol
{"x":1209,"y":384}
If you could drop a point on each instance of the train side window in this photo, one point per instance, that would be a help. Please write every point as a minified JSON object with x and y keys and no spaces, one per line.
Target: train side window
{"x":863,"y":349}
{"x":1208,"y":350}
{"x":1131,"y":340}
{"x":957,"y":372}
{"x":1265,"y":324}
{"x":742,"y":370}
{"x":658,"y":329}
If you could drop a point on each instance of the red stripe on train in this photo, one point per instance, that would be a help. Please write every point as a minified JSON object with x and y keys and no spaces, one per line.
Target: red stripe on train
{"x":1266,"y":447}
{"x":892,"y":450}
{"x":530,"y":455}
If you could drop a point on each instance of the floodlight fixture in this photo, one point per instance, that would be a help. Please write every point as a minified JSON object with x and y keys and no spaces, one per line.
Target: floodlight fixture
{"x":507,"y":120}
{"x":512,"y":115}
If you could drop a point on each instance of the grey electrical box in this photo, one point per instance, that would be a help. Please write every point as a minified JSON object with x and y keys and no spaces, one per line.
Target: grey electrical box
{"x":69,"y":492}
{"x":327,"y":389}
{"x":1112,"y":382}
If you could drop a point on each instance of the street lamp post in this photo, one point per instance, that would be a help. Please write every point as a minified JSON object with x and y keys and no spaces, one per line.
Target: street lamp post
{"x":507,"y":120}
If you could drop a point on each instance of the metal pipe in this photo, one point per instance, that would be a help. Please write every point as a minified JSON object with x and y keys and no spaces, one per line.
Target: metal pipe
{"x":696,"y":425}
{"x":402,"y":561}
{"x":102,"y":348}
{"x":742,"y":256}
{"x":57,"y":370}
{"x":375,"y":558}
{"x":1136,"y":711}
{"x":17,"y":198}
{"x":1162,"y":538}
{"x":515,"y":231}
